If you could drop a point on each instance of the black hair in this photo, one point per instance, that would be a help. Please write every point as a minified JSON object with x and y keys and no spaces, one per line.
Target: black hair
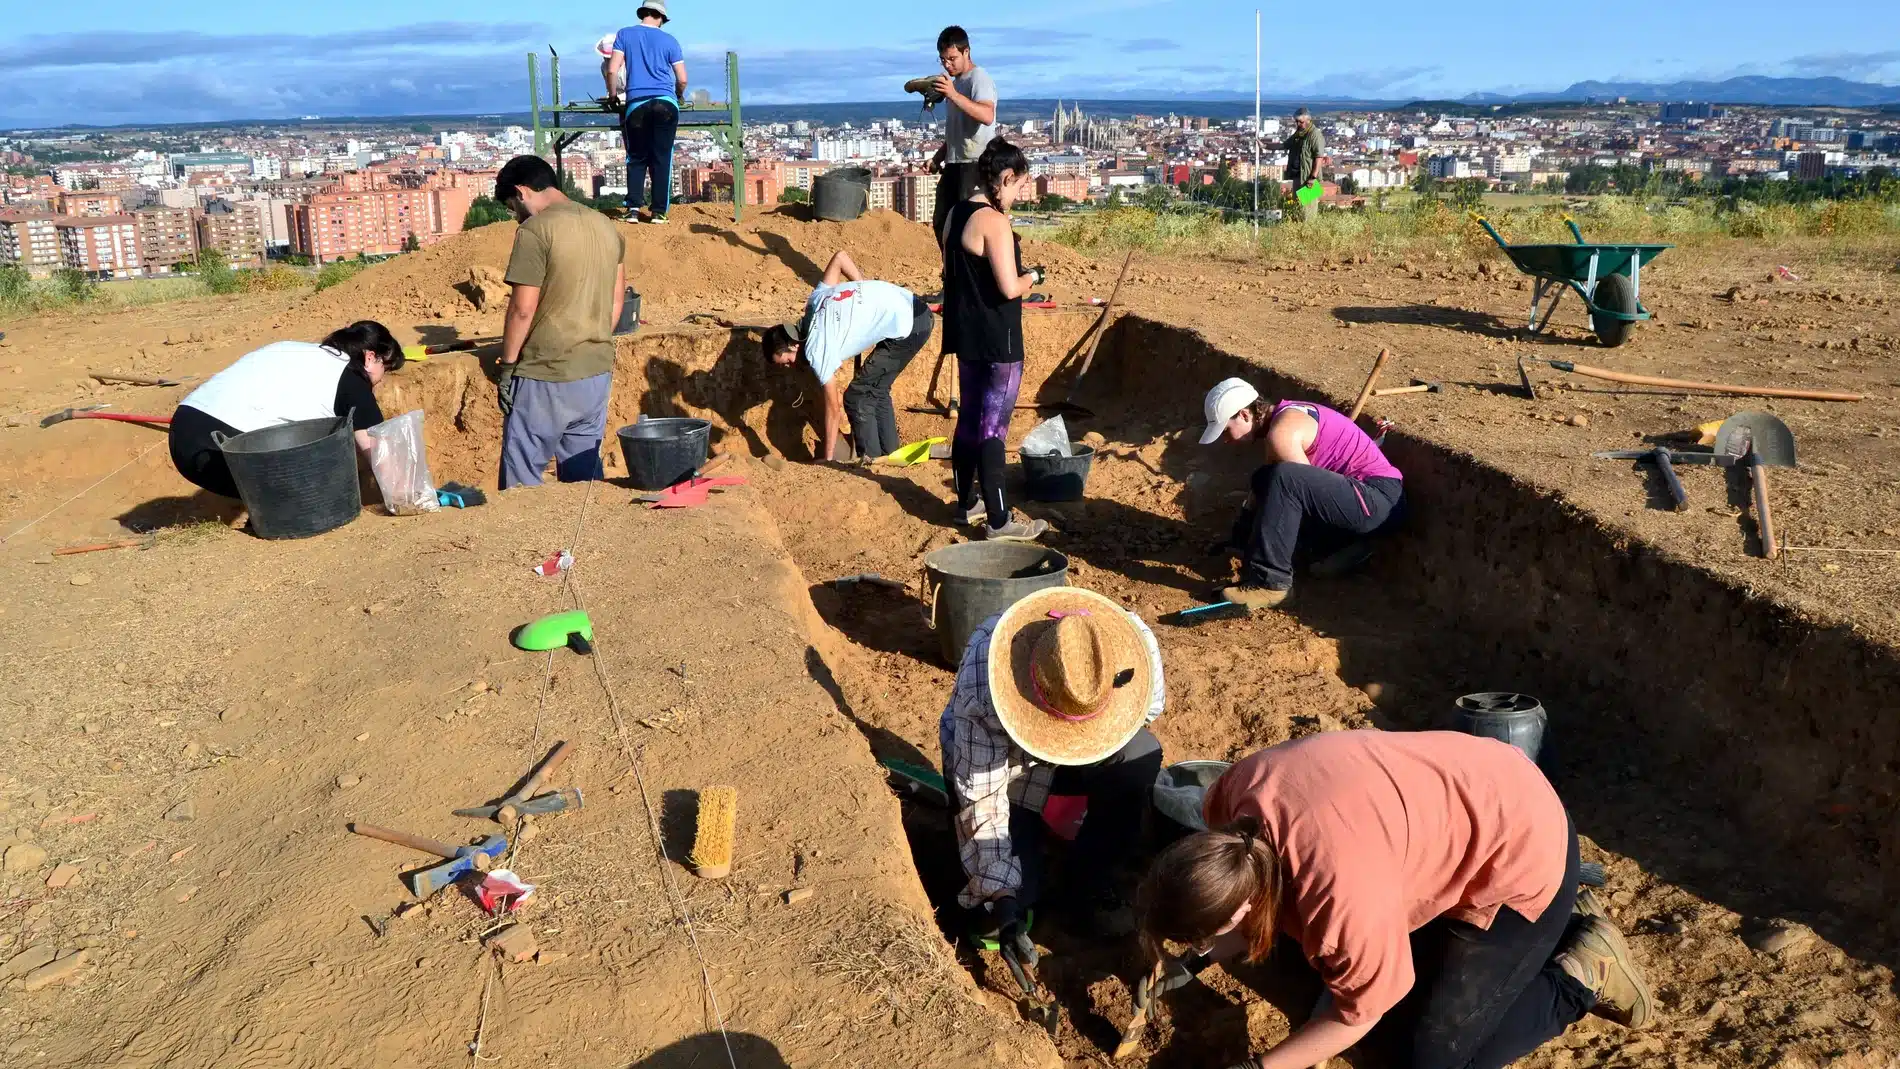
{"x":998,"y":159}
{"x":531,"y":171}
{"x":953,"y":37}
{"x":363,"y":337}
{"x":775,"y":340}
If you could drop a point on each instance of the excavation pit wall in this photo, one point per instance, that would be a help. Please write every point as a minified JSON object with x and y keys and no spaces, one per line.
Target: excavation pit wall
{"x":1720,"y":741}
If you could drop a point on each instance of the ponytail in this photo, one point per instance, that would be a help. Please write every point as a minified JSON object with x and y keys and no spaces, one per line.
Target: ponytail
{"x":998,"y":159}
{"x":1196,"y":886}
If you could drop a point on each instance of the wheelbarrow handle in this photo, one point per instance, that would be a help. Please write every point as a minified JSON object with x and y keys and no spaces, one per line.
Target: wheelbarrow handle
{"x":1574,"y":232}
{"x":1489,"y":229}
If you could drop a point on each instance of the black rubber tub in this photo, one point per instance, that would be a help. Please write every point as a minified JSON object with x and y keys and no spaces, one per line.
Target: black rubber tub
{"x":1053,"y":477}
{"x":661,"y":452}
{"x":295,"y":479}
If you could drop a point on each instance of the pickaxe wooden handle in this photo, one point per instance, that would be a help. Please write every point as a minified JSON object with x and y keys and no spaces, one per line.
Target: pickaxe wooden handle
{"x":509,"y":810}
{"x":1377,"y":366}
{"x":403,"y":838}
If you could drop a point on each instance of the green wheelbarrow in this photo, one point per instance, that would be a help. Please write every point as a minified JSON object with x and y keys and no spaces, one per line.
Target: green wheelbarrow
{"x":1607,"y":277}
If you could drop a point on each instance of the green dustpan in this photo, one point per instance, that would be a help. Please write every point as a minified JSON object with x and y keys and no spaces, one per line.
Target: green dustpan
{"x":912,"y":453}
{"x":571,"y":629}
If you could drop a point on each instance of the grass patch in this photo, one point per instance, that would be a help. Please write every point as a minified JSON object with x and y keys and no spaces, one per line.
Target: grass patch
{"x":338,"y":272}
{"x":1432,"y":230}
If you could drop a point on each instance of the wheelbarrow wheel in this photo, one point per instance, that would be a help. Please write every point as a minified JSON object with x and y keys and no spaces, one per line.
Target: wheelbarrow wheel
{"x":1615,"y":294}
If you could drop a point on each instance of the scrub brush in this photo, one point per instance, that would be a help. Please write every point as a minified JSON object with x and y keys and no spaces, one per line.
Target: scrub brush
{"x":712,"y":840}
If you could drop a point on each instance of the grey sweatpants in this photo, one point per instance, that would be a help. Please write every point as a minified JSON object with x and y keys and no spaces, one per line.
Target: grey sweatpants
{"x":559,"y":421}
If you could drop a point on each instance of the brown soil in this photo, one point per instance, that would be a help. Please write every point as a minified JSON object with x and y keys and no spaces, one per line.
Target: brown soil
{"x":1722,"y":727}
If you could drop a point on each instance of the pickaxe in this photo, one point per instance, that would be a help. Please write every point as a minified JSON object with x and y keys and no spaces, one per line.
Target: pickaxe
{"x":458,"y":861}
{"x":519,"y":803}
{"x":92,"y":412}
{"x":1417,"y":386}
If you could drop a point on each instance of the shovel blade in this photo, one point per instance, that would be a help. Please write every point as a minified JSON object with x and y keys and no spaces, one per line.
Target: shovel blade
{"x":1763,"y":432}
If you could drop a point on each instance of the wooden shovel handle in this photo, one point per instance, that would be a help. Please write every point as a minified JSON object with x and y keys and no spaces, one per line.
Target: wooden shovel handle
{"x":1764,"y":517}
{"x":1712,"y":387}
{"x":1377,"y":366}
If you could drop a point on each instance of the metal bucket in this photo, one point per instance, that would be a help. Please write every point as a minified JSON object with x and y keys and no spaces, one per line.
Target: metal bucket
{"x":970,"y":582}
{"x":1506,"y":716}
{"x":295,"y":479}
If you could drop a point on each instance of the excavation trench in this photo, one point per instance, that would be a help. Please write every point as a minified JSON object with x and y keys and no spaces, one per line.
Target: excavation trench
{"x":1729,"y":760}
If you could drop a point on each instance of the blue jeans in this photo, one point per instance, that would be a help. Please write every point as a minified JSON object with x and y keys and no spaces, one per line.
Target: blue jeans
{"x":647,"y":129}
{"x":559,"y":421}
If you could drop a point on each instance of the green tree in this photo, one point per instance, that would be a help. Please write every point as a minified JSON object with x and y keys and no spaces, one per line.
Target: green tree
{"x":483,"y":211}
{"x":412,"y":243}
{"x":1347,"y":184}
{"x":1154,"y":198}
{"x":1466,"y":194}
{"x":1052,"y":202}
{"x":214,"y":268}
{"x":1115,"y":197}
{"x":794,"y":195}
{"x":420,"y":128}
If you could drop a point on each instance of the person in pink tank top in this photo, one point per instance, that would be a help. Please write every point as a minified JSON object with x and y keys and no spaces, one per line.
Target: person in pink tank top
{"x":1319,"y":465}
{"x":1429,"y":877}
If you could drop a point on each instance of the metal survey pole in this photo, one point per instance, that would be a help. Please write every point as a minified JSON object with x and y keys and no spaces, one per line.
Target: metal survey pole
{"x":738,"y":137}
{"x":534,"y":102}
{"x":1256,"y":124}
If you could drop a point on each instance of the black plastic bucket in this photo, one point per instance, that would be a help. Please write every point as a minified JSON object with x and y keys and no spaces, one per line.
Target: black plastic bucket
{"x":295,"y":479}
{"x":841,"y":195}
{"x":661,"y":452}
{"x":970,"y":582}
{"x":1054,"y":477}
{"x":1506,"y":716}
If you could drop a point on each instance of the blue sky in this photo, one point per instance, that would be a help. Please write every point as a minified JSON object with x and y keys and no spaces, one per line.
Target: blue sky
{"x":194,"y":62}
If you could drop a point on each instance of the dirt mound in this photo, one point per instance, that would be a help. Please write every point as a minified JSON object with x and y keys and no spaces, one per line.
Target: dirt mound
{"x":700,"y":261}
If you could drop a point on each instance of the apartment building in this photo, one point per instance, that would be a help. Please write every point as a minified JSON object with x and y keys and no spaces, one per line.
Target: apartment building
{"x":1074,"y":187}
{"x":29,"y":240}
{"x":235,"y":229}
{"x":332,"y":226}
{"x":91,"y":203}
{"x":167,"y":237}
{"x":884,"y":193}
{"x":105,"y":247}
{"x":917,"y":197}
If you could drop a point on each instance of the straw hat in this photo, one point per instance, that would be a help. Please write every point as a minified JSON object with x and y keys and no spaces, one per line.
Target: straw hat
{"x":1070,"y":677}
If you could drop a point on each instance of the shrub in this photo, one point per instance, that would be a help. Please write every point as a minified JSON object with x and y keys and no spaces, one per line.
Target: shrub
{"x":214,"y":270}
{"x":338,"y":271}
{"x":276,"y":278}
{"x":72,"y":285}
{"x":485,"y":210}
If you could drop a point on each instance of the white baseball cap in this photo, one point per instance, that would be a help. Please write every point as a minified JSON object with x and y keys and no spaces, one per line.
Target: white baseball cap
{"x":1227,"y":397}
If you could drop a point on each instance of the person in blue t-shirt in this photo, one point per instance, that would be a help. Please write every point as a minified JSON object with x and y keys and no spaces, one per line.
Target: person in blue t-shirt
{"x":652,"y":66}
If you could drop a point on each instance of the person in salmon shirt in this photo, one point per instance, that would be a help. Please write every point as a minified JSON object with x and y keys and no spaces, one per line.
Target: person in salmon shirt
{"x":1319,"y":466}
{"x":1429,"y":877}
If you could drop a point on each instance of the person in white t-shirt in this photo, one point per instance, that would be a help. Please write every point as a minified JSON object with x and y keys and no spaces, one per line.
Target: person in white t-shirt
{"x":844,"y":316}
{"x":283,"y":382}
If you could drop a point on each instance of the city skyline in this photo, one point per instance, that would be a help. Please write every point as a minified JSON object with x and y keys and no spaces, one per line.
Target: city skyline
{"x":164,"y":65}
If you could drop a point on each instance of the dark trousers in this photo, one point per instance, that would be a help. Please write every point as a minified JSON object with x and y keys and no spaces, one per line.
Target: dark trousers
{"x":956,"y":183}
{"x":1484,"y":999}
{"x":1118,"y":789}
{"x":977,"y":453}
{"x":1284,"y":495}
{"x":647,"y":129}
{"x":867,"y":401}
{"x":196,"y":456}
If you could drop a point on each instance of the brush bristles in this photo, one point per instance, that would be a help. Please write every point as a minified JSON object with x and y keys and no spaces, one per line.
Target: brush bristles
{"x":712,"y":840}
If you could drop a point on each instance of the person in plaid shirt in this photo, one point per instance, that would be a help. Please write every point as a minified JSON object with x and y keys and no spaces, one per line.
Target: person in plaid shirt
{"x":1053,"y":696}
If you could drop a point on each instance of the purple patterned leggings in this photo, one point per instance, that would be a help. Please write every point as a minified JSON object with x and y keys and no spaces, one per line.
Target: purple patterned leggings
{"x":987,"y":398}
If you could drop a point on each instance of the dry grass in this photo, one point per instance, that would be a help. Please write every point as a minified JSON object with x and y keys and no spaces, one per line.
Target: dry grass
{"x":893,"y":957}
{"x":1861,"y":228}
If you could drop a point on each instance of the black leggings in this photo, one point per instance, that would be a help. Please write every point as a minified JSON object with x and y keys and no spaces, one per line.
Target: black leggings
{"x":867,"y":401}
{"x":1486,"y":997}
{"x":196,"y":456}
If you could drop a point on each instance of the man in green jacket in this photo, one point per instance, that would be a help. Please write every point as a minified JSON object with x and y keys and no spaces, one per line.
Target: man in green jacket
{"x":1305,"y":151}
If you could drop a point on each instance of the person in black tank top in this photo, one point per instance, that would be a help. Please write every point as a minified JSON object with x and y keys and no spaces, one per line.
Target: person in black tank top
{"x":983,"y":287}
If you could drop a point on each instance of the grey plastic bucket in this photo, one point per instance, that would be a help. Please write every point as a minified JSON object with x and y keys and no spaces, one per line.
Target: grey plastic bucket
{"x":1181,"y":788}
{"x":970,"y":582}
{"x":295,"y":479}
{"x":1506,"y":716}
{"x":841,"y":195}
{"x":1054,"y":477}
{"x":661,"y":452}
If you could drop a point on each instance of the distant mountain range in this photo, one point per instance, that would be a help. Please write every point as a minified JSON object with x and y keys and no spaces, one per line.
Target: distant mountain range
{"x":1838,"y":92}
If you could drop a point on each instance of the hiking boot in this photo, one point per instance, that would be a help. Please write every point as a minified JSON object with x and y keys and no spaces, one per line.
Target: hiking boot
{"x":1590,"y":904}
{"x":1599,"y":958}
{"x":1343,"y":561}
{"x":1018,"y":529}
{"x":1256,"y":598}
{"x":974,"y":516}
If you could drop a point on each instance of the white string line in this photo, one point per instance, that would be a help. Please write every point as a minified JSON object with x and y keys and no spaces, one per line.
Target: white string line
{"x":87,"y":490}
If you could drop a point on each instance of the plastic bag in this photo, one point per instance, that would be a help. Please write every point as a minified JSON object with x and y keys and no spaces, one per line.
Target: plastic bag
{"x":1049,"y":438}
{"x":401,"y":466}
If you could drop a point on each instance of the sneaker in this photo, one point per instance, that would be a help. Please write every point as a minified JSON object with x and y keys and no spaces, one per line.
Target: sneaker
{"x":1599,"y":958}
{"x":1343,"y":561}
{"x":974,"y":516}
{"x":1017,"y":530}
{"x":656,"y":219}
{"x":1256,"y":598}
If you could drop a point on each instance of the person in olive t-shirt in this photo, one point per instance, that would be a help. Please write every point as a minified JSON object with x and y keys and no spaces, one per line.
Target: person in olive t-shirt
{"x":566,"y":285}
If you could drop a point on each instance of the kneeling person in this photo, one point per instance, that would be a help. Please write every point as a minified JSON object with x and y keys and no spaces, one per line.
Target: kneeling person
{"x":844,"y":316}
{"x":1054,"y":696}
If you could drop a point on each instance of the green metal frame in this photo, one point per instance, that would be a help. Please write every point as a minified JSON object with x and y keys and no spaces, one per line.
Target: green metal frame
{"x":564,"y":123}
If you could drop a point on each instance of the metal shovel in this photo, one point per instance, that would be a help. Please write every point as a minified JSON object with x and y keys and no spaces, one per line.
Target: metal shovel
{"x":1761,"y":441}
